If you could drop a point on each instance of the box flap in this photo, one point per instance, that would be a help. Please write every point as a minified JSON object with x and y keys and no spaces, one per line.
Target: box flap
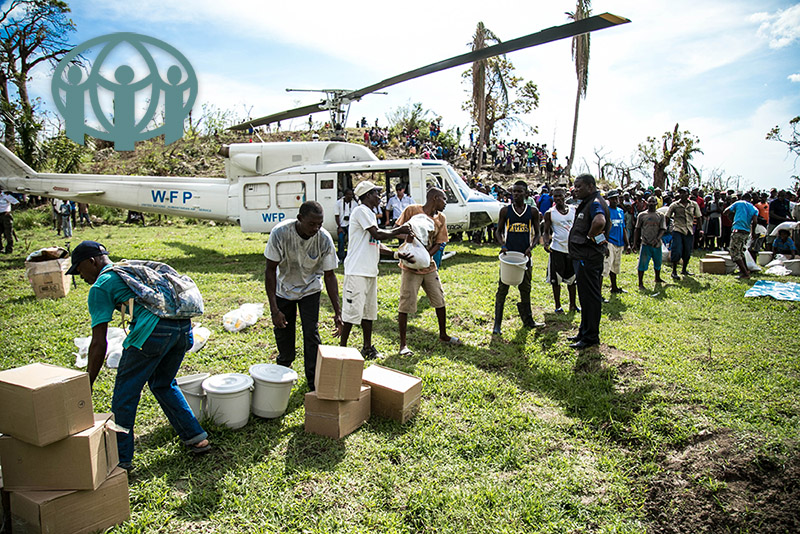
{"x":389,"y":378}
{"x":38,"y":375}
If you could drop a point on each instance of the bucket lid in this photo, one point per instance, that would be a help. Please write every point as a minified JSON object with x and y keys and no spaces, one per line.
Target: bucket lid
{"x":227,"y":383}
{"x":269,"y":372}
{"x":191,"y":379}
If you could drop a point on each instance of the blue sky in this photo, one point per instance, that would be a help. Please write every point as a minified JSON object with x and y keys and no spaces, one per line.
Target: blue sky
{"x":727,"y":71}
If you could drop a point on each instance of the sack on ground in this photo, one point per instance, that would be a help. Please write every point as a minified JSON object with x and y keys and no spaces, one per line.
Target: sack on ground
{"x":160,"y":289}
{"x":200,"y":334}
{"x":242,"y":317}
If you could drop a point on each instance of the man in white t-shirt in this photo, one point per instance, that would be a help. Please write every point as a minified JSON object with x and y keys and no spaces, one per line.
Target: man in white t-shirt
{"x":360,"y":289}
{"x":300,"y":253}
{"x":557,"y":224}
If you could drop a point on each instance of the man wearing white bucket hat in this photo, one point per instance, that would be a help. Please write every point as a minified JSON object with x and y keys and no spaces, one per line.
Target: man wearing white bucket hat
{"x":517,"y":231}
{"x":360,"y":288}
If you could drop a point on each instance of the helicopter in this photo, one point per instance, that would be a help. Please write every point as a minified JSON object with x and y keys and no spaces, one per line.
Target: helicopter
{"x":266,"y":183}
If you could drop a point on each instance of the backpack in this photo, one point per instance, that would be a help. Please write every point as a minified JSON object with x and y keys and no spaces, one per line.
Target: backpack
{"x":160,"y":289}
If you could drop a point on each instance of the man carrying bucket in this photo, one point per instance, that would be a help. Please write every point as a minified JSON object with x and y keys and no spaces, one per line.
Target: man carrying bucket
{"x":299,"y":254}
{"x":517,"y":231}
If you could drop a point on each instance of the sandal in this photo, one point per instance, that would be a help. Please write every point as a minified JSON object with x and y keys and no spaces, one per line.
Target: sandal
{"x":199,"y":449}
{"x":452,"y":341}
{"x":405,"y":351}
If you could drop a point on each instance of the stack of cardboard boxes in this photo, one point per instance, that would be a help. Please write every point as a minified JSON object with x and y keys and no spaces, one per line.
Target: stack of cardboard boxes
{"x":346,"y":394}
{"x":59,"y":459}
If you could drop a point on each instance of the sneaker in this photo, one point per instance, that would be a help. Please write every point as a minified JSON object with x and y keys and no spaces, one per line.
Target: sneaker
{"x":559,"y":311}
{"x":371,"y":353}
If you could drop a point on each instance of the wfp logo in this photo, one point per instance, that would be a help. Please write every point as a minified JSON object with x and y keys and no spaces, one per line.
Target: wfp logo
{"x":122,"y":100}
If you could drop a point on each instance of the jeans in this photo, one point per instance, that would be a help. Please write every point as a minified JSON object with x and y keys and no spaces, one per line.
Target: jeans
{"x":681,"y":247}
{"x":285,"y":337}
{"x":342,"y":242}
{"x":589,"y":276}
{"x":156,"y":364}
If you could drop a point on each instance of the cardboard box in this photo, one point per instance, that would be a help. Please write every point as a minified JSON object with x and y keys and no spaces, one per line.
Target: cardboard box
{"x":5,"y":508}
{"x":49,"y":279}
{"x":339,"y":372}
{"x":395,"y":394}
{"x":713,"y":266}
{"x":42,"y":403}
{"x":336,"y":419}
{"x":72,"y":512}
{"x":82,"y":461}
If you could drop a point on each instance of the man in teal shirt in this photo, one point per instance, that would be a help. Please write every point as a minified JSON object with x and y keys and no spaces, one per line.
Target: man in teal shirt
{"x":152,"y":352}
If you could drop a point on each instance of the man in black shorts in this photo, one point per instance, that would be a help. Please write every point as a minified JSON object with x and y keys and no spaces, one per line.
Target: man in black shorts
{"x":557,"y":224}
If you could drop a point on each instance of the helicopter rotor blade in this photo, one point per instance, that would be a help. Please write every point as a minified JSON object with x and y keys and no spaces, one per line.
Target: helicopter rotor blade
{"x":555,"y":33}
{"x":283,"y":115}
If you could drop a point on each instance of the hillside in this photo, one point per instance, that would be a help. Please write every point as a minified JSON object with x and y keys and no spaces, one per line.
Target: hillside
{"x":197,"y":156}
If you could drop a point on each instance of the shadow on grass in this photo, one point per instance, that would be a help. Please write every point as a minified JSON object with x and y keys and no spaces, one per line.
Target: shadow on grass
{"x":197,"y":258}
{"x":584,"y":383}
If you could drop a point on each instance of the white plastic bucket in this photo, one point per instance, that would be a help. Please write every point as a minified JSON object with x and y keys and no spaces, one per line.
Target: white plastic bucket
{"x":228,"y":398}
{"x":273,"y":387}
{"x":793,"y":266}
{"x":764,"y":257}
{"x":192,"y":388}
{"x":512,"y":267}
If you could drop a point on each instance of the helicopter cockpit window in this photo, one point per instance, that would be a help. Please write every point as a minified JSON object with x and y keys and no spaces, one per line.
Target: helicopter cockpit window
{"x":256,"y":196}
{"x":290,"y":194}
{"x":434,"y":179}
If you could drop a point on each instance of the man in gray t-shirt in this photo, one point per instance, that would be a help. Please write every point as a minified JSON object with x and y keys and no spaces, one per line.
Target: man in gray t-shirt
{"x":300,"y":253}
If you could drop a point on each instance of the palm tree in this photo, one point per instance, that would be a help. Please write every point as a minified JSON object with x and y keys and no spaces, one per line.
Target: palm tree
{"x":580,"y":54}
{"x":482,"y":35}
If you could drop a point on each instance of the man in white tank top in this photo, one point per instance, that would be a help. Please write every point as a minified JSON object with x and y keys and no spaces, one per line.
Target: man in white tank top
{"x":557,"y":224}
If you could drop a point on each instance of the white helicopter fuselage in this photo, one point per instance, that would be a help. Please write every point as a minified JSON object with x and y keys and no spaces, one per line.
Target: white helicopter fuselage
{"x":265,"y":184}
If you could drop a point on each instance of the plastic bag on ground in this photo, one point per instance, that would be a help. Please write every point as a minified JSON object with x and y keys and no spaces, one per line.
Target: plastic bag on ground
{"x":751,"y":264}
{"x":114,"y":339}
{"x":200,"y":334}
{"x":242,"y":317}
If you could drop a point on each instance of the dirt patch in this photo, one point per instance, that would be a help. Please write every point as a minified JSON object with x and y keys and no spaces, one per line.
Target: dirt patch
{"x":716,"y":485}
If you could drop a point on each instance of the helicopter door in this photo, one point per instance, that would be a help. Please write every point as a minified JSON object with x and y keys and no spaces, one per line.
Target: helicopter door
{"x":456,"y":211}
{"x":267,"y":202}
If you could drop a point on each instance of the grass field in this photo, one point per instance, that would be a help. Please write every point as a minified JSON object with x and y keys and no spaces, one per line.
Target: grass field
{"x":685,"y":420}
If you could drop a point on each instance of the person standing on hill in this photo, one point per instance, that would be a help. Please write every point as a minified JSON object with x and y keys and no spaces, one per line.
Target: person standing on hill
{"x":517,"y":231}
{"x":588,"y":249}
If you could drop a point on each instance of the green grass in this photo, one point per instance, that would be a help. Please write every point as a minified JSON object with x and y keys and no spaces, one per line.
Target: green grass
{"x":520,"y":434}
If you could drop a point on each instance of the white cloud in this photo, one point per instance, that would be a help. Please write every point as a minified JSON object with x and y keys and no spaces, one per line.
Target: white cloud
{"x":794,"y":78}
{"x":781,"y":28}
